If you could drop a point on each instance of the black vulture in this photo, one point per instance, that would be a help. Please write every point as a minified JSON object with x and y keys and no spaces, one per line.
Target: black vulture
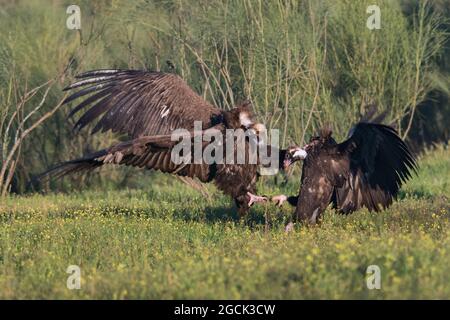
{"x":366,"y":170}
{"x":148,"y":107}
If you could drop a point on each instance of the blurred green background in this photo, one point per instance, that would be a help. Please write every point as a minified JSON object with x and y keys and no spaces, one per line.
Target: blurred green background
{"x":303,"y":64}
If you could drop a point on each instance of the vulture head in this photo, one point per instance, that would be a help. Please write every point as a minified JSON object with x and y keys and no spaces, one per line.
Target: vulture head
{"x":293,"y":154}
{"x":315,"y":144}
{"x":240,"y":117}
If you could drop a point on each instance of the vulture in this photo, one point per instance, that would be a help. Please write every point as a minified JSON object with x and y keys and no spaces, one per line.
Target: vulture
{"x":147,"y":107}
{"x":366,"y":170}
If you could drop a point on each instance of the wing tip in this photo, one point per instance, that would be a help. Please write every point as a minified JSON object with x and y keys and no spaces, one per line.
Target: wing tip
{"x":98,"y":72}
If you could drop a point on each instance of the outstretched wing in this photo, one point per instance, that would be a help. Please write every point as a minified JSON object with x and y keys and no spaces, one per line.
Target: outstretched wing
{"x":150,"y":152}
{"x":375,"y":162}
{"x":139,"y":103}
{"x":157,"y":153}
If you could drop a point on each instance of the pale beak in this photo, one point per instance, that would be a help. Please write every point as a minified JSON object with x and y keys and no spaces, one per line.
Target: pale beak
{"x":294,"y":155}
{"x":299,"y":154}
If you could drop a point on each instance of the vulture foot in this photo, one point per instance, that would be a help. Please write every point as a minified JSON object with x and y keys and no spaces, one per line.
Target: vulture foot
{"x":254,"y":199}
{"x":279,"y":200}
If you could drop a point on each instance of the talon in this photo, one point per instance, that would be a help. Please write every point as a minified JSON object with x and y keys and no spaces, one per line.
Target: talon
{"x":254,"y":199}
{"x":279,"y":200}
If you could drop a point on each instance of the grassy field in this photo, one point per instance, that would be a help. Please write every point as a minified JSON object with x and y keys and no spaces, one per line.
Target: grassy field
{"x":170,"y":242}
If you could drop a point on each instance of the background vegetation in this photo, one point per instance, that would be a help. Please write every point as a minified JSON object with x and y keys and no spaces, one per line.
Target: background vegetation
{"x":303,"y":63}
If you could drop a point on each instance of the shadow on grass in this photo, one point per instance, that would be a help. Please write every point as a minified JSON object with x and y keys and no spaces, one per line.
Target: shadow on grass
{"x":258,"y":216}
{"x":209,"y":214}
{"x":223,"y":214}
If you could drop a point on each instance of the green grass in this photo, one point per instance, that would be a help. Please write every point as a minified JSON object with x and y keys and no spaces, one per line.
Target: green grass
{"x":169,"y":242}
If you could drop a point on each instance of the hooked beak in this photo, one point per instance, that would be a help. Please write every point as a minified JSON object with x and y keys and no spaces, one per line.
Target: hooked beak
{"x":299,"y":154}
{"x":294,"y":154}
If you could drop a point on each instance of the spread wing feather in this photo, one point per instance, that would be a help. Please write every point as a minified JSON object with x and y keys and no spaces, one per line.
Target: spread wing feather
{"x":150,"y":152}
{"x":139,"y":103}
{"x":378,"y":163}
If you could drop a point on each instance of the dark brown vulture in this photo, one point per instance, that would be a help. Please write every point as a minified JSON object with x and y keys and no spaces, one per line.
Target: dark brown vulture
{"x":148,"y":107}
{"x":366,"y":170}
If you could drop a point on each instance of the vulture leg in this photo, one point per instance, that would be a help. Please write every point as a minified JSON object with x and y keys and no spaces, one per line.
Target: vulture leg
{"x":245,"y":201}
{"x":292,"y":200}
{"x":242,"y":205}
